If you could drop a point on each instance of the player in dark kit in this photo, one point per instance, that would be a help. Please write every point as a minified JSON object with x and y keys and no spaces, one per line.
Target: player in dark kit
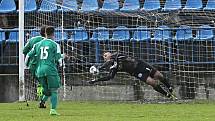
{"x":143,"y":71}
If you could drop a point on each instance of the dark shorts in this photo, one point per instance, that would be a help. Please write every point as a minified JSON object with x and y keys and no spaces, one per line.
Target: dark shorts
{"x":144,"y":70}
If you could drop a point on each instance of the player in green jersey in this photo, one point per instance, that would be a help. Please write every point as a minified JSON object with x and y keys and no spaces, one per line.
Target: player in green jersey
{"x":29,"y":45}
{"x":48,"y":55}
{"x":32,"y":64}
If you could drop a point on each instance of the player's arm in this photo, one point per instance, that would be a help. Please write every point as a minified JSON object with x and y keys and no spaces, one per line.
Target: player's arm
{"x":59,"y":56}
{"x":110,"y":76}
{"x":27,"y":48}
{"x":105,"y":65}
{"x":114,"y":57}
{"x":30,"y":55}
{"x":112,"y":65}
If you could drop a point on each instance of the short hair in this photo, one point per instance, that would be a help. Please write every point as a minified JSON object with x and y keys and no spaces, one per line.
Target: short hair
{"x":106,"y":52}
{"x":49,"y":30}
{"x":43,"y":31}
{"x":110,"y":51}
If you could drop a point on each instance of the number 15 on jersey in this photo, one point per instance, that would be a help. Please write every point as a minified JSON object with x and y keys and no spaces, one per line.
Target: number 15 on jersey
{"x":44,"y":53}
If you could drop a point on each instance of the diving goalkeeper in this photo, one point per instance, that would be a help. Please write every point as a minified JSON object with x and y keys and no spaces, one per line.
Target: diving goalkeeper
{"x":143,"y":71}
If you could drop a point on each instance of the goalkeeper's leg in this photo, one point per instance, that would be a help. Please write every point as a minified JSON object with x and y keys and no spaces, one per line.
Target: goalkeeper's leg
{"x":169,"y":88}
{"x":158,"y":76}
{"x":158,"y":87}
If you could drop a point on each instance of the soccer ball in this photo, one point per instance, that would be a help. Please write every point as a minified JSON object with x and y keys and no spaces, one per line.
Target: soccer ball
{"x":94,"y":70}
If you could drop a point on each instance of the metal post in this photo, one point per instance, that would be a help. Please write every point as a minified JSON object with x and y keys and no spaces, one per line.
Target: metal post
{"x":21,"y":56}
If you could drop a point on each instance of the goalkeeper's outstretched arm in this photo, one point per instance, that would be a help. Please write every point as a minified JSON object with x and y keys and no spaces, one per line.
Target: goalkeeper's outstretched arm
{"x":111,"y":65}
{"x":110,"y":76}
{"x":105,"y":66}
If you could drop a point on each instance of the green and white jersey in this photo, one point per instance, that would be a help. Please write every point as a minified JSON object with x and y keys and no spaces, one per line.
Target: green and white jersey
{"x":29,"y":45}
{"x":47,"y":54}
{"x":32,"y":61}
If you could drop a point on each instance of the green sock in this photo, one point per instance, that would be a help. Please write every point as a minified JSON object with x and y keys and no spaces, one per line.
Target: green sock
{"x":54,"y":100}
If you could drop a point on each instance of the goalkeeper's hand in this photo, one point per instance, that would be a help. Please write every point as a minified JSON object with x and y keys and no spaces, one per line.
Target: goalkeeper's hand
{"x":92,"y":81}
{"x":93,"y":70}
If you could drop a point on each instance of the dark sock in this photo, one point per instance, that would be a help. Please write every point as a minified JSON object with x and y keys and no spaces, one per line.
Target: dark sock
{"x":165,"y":82}
{"x":159,"y":89}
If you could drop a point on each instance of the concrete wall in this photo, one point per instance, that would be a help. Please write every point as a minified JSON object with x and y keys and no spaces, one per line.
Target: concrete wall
{"x":127,"y":93}
{"x":117,"y":92}
{"x":9,"y":91}
{"x":203,"y":89}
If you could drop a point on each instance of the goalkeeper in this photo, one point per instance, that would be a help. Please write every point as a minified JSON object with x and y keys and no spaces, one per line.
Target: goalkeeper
{"x":32,"y":64}
{"x":115,"y":62}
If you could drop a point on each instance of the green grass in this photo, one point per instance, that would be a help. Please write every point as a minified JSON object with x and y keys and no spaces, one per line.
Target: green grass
{"x":109,"y":111}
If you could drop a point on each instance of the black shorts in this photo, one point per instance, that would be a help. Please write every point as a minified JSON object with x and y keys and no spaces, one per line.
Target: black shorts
{"x":144,"y":70}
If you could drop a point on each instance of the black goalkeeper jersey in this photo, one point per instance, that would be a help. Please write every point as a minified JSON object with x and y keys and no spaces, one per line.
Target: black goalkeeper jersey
{"x":123,"y":63}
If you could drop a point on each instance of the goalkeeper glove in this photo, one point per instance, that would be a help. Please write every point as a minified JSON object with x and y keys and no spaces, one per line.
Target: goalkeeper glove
{"x":93,"y":70}
{"x":92,"y":81}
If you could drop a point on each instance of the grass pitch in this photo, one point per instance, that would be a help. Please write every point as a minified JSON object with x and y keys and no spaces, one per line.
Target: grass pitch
{"x":109,"y":111}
